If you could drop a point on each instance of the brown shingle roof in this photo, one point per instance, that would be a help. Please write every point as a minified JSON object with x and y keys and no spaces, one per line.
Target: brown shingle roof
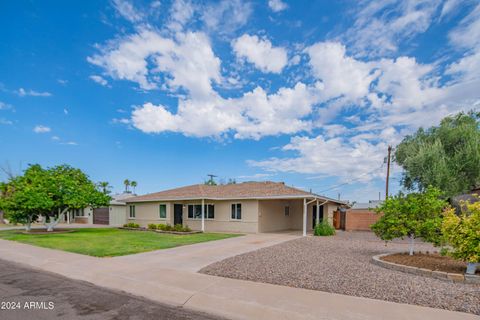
{"x":229,"y":191}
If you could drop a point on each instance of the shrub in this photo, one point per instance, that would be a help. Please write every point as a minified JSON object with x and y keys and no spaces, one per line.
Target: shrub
{"x":324,"y":229}
{"x":416,"y":215}
{"x":186,"y":229}
{"x":178,"y":227}
{"x":161,"y":226}
{"x":169,"y":228}
{"x":152,"y":226}
{"x":132,"y":225}
{"x":462,"y":233}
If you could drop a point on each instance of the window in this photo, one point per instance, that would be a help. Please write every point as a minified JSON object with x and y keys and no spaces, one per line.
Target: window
{"x":195,"y":211}
{"x":287,"y":211}
{"x":163,"y":211}
{"x":236,"y":211}
{"x":132,"y":212}
{"x":79,"y":213}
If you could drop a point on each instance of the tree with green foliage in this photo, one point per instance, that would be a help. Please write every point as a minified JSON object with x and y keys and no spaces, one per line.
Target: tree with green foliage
{"x":126,"y":182}
{"x":49,"y":193}
{"x":133,"y":184}
{"x":24,"y":198}
{"x":462,"y":232}
{"x":415,"y":215}
{"x":105,"y":187}
{"x":446,"y":157}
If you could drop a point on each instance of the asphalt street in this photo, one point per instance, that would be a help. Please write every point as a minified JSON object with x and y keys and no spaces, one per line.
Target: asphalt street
{"x":26,"y":293}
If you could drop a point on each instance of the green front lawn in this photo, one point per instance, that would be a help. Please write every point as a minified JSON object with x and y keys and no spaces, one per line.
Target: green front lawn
{"x":110,"y":242}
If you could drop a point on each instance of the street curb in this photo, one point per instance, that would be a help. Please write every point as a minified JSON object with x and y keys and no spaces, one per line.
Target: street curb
{"x":451,"y":277}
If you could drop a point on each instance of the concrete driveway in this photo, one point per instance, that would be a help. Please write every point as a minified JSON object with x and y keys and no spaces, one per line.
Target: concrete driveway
{"x":154,"y":276}
{"x":196,"y":256}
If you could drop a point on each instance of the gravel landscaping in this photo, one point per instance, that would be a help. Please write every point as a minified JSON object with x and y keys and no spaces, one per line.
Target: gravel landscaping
{"x":341,"y":264}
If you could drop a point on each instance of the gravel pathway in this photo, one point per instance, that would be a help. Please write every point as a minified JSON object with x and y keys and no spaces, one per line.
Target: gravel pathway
{"x":341,"y":264}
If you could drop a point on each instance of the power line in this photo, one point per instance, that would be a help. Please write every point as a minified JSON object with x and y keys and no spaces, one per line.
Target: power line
{"x":353,"y":180}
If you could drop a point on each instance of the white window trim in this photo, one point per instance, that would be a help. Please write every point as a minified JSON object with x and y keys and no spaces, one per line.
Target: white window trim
{"x":130,"y":212}
{"x":205,"y":213}
{"x":166,"y":213}
{"x":230,"y":214}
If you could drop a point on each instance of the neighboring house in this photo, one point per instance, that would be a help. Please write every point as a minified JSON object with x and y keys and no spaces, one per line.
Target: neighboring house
{"x":114,"y":214}
{"x":248,"y":207}
{"x":361,"y":216}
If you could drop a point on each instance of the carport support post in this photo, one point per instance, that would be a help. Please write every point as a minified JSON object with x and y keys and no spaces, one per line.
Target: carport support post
{"x":304,"y":217}
{"x":203,"y":215}
{"x":318,"y":214}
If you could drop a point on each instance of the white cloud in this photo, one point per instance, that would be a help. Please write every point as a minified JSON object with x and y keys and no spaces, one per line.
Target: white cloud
{"x":277,"y":5}
{"x":99,"y":79}
{"x":342,"y":75}
{"x":188,"y":61}
{"x":5,"y":106}
{"x":467,"y":33}
{"x":6,"y":122}
{"x":55,"y":138}
{"x":70,"y":143}
{"x":226,"y":16}
{"x":41,"y":129}
{"x":261,"y":53}
{"x":330,"y":157}
{"x":181,"y":12}
{"x":127,"y":10}
{"x":22,"y":93}
{"x":380,"y":26}
{"x":253,"y":115}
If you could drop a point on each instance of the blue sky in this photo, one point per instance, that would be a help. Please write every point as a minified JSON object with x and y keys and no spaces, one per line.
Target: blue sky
{"x":166,"y":92}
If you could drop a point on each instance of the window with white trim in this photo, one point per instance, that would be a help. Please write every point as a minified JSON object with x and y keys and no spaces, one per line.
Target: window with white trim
{"x":131,"y":213}
{"x":195,"y":211}
{"x":162,"y":211}
{"x":236,"y":211}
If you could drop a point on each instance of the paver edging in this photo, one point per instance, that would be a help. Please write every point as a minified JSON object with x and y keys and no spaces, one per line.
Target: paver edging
{"x":455,"y":277}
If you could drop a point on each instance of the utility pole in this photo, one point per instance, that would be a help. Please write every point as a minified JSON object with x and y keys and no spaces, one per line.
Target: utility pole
{"x":388,"y":171}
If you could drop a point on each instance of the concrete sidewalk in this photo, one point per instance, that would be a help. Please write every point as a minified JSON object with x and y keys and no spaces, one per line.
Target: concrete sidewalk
{"x":235,"y":299}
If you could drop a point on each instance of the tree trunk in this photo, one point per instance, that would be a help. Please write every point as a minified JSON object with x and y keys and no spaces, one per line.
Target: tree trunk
{"x":52,"y":224}
{"x":28,"y":225}
{"x":412,"y":242}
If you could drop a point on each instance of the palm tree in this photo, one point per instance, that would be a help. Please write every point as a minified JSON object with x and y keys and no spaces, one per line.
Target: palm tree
{"x":126,"y":182}
{"x":104,"y":186}
{"x":134,"y":185}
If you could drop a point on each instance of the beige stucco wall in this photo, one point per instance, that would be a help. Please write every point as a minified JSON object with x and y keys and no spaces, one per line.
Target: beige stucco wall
{"x":257,"y":215}
{"x":149,"y":212}
{"x":117,"y":215}
{"x":223,"y":221}
{"x":271,"y":215}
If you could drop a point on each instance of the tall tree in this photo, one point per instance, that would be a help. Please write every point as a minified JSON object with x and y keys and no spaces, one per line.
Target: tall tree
{"x":126,"y":182}
{"x":25,"y":197}
{"x":70,"y":189}
{"x":446,"y":157}
{"x":49,"y":193}
{"x":105,"y":187}
{"x":134,"y":185}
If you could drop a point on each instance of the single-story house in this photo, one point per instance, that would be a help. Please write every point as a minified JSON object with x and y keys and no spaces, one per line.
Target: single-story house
{"x":248,"y":207}
{"x":361,"y":216}
{"x":114,"y":214}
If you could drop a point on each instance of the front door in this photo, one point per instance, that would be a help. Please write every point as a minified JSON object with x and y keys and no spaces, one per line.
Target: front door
{"x":320,"y":216}
{"x":178,"y":214}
